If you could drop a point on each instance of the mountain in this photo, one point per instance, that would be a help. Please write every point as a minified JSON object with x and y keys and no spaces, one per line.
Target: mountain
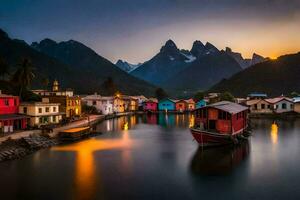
{"x":211,"y":67}
{"x":244,"y":63}
{"x":164,"y":65}
{"x":72,"y":63}
{"x":274,"y":77}
{"x":127,"y":67}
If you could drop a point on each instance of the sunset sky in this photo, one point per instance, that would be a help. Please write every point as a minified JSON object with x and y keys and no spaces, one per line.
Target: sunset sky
{"x":134,"y":30}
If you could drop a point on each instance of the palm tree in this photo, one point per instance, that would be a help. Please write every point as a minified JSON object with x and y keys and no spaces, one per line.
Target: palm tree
{"x":4,"y":68}
{"x":24,"y":75}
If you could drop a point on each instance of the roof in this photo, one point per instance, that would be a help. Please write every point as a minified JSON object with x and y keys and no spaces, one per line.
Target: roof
{"x":278,"y":99}
{"x":13,"y":116}
{"x":190,"y":100}
{"x":39,"y":104}
{"x":296,"y":99}
{"x":255,"y":101}
{"x":168,"y":99}
{"x":257,"y":95}
{"x":228,"y":106}
{"x":92,"y":97}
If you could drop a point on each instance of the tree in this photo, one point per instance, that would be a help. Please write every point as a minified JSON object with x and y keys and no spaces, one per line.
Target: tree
{"x":226,"y":96}
{"x":198,"y":96}
{"x":160,"y":93}
{"x":110,"y":86}
{"x":294,"y":94}
{"x":24,"y":75}
{"x":4,"y":68}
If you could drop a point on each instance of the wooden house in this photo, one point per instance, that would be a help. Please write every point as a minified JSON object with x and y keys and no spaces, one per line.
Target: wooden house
{"x":181,"y":105}
{"x":190,"y":104}
{"x":201,"y":103}
{"x":10,"y":119}
{"x":259,"y":106}
{"x":223,"y":117}
{"x":296,"y":102}
{"x":166,"y":105}
{"x":150,"y":105}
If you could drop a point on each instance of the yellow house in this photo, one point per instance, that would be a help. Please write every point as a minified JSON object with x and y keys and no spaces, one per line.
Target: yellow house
{"x":119,"y":104}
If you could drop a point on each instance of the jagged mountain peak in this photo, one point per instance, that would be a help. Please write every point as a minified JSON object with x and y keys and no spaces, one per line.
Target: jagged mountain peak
{"x":169,"y":46}
{"x":209,"y":46}
{"x":3,"y":34}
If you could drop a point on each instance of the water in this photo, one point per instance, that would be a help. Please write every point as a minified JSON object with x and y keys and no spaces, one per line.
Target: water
{"x":155,"y":157}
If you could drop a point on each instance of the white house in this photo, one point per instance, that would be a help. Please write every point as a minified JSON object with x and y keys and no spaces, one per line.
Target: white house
{"x":260,"y":106}
{"x":103,"y":105}
{"x":41,"y":113}
{"x":281,"y":104}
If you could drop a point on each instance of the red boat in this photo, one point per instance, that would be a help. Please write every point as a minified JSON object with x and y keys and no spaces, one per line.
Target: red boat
{"x":220,"y":123}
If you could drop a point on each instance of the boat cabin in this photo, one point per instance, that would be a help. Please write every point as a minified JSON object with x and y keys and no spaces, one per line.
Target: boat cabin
{"x":223,"y":117}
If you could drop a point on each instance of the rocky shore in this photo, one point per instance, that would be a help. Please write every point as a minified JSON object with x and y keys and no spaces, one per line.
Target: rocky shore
{"x":15,"y":149}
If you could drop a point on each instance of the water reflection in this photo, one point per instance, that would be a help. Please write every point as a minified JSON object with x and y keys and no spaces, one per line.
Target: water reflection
{"x":274,"y":133}
{"x":220,"y":160}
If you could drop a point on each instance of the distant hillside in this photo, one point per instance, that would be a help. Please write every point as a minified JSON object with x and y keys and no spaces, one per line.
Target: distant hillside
{"x":204,"y":72}
{"x":73,"y":64}
{"x":273,"y":77}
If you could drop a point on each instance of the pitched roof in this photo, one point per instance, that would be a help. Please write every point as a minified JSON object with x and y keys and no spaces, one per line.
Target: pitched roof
{"x":228,"y":106}
{"x":190,"y":100}
{"x":255,"y":101}
{"x":278,"y":99}
{"x":296,"y":99}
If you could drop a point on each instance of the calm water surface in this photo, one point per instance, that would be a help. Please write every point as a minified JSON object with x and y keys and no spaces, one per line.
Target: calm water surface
{"x":155,"y":157}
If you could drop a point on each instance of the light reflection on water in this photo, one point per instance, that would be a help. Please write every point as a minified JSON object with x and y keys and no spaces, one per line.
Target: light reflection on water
{"x":147,"y":156}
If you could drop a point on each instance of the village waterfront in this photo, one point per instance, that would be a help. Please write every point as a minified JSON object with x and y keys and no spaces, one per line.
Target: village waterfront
{"x":155,"y":157}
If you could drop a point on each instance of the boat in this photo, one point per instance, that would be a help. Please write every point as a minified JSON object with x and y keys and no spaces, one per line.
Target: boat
{"x":220,"y":123}
{"x":74,"y":133}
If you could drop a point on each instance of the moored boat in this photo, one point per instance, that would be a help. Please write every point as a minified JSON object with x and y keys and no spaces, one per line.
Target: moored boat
{"x":220,"y":123}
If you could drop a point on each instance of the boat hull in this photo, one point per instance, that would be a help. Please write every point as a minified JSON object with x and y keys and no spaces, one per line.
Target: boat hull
{"x":206,"y":139}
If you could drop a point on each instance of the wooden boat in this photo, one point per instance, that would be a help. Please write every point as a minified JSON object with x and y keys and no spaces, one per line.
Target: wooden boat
{"x":74,"y":133}
{"x":220,"y":123}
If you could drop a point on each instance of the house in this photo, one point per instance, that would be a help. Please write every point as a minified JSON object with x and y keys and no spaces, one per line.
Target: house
{"x":257,"y":95}
{"x":103,"y":105}
{"x":259,"y":106}
{"x":212,"y":97}
{"x":190,"y":104}
{"x":69,"y":103}
{"x":41,"y":113}
{"x":141,"y":99}
{"x":181,"y":105}
{"x":150,"y":105}
{"x":281,"y":104}
{"x":166,"y":105}
{"x":10,"y":119}
{"x":296,"y":101}
{"x":201,"y":103}
{"x":223,"y":117}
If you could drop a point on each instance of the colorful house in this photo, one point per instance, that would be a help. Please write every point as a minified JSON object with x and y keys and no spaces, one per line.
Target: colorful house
{"x":260,"y":106}
{"x":41,"y":113}
{"x":181,"y":105}
{"x":190,"y":104}
{"x":201,"y":103}
{"x":69,"y":104}
{"x":10,"y":120}
{"x":103,"y":105}
{"x":150,"y":105}
{"x":166,"y":105}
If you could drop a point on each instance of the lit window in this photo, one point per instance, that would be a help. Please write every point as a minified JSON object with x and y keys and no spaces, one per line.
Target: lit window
{"x":47,"y":109}
{"x":40,"y":110}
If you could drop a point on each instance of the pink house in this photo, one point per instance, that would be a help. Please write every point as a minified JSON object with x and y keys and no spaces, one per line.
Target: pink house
{"x":150,"y":105}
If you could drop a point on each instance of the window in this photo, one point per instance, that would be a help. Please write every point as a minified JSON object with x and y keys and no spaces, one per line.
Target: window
{"x":54,"y":109}
{"x":283,"y":106}
{"x":40,"y":110}
{"x":255,"y":106}
{"x":47,"y":109}
{"x":6,"y":102}
{"x":222,"y":115}
{"x":25,"y":110}
{"x":269,"y":106}
{"x":263,"y":106}
{"x":54,"y":118}
{"x":94,"y":103}
{"x":291,"y":106}
{"x":40,"y":120}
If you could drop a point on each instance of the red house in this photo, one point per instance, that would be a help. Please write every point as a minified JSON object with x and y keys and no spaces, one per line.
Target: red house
{"x":10,"y":120}
{"x":219,"y":123}
{"x":150,"y":105}
{"x":181,"y":105}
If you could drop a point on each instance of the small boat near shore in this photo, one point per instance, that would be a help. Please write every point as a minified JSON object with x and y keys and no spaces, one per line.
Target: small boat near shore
{"x":74,"y":133}
{"x":220,"y":123}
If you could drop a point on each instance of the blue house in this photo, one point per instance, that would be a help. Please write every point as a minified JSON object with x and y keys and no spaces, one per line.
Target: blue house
{"x":201,"y":103}
{"x":166,"y":105}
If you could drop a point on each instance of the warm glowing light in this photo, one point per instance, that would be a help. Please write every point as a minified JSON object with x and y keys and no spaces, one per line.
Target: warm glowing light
{"x":192,"y":121}
{"x":273,"y":58}
{"x":125,"y":127}
{"x":274,"y":133}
